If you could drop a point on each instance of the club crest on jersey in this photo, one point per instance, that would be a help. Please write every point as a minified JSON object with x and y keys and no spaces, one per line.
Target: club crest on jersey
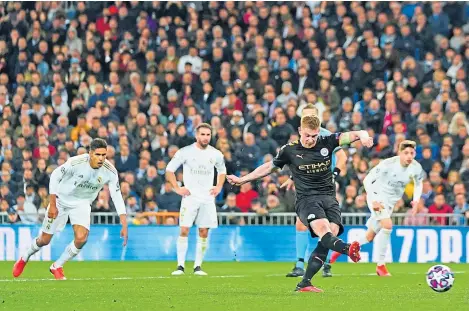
{"x":324,"y":152}
{"x":100,"y":180}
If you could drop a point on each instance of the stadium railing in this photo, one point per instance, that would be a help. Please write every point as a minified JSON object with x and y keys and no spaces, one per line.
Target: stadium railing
{"x":170,"y":218}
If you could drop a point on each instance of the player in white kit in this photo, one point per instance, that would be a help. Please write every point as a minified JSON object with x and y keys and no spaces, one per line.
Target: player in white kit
{"x":73,"y":187}
{"x":385,"y":185}
{"x":198,"y":204}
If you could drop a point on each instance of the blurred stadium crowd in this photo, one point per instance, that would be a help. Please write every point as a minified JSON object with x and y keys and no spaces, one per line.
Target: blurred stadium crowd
{"x":144,"y":75}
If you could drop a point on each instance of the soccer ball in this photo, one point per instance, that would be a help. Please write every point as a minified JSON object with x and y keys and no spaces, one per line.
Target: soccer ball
{"x":440,"y":278}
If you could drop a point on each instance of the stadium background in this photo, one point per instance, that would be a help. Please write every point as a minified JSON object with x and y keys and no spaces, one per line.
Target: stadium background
{"x":144,"y":75}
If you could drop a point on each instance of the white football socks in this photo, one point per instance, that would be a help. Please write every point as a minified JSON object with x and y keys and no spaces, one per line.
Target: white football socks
{"x":363,"y":240}
{"x":382,"y":241}
{"x":33,"y":249}
{"x":201,"y":248}
{"x":182,"y":244}
{"x":70,"y":251}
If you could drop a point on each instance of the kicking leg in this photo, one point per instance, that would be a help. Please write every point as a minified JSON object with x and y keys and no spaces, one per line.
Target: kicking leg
{"x":302,"y":237}
{"x":382,"y":242}
{"x":201,"y":248}
{"x":366,"y":238}
{"x":181,"y":246}
{"x":72,"y":249}
{"x":322,"y":229}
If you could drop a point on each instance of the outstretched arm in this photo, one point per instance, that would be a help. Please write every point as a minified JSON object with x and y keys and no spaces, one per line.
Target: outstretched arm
{"x":349,"y":137}
{"x":262,"y":171}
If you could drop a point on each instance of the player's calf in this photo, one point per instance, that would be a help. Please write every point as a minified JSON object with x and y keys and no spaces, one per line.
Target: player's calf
{"x":36,"y":245}
{"x":382,"y":243}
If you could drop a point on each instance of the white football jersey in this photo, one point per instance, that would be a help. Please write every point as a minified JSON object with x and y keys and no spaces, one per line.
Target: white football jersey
{"x":198,"y":168}
{"x":389,"y":178}
{"x":75,"y":182}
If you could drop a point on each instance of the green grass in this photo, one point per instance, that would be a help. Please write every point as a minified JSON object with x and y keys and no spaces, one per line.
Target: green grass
{"x":230,"y":286}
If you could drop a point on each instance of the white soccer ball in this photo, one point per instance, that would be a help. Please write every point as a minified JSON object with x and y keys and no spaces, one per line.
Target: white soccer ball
{"x":440,"y":278}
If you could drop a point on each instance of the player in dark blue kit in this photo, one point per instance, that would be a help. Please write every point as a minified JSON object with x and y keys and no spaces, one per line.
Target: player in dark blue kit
{"x":309,"y":160}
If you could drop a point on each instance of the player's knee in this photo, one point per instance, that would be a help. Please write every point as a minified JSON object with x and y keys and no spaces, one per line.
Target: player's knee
{"x":320,"y":227}
{"x":370,"y":235}
{"x":44,"y":239}
{"x":203,"y":233}
{"x":386,"y":224}
{"x":335,"y":229}
{"x":81,"y":239}
{"x":184,"y":232}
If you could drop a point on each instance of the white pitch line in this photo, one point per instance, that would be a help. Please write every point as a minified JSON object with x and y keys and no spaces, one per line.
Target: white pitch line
{"x":121,"y":278}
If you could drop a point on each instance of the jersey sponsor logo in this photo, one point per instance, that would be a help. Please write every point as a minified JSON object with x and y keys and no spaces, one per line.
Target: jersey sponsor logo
{"x":315,"y":167}
{"x":324,"y":152}
{"x":201,"y":170}
{"x":88,"y":185}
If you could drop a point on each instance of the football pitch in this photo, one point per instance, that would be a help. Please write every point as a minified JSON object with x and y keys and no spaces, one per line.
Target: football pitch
{"x":229,"y":286}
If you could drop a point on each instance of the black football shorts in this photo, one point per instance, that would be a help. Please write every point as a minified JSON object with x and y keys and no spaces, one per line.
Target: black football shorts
{"x":319,"y":207}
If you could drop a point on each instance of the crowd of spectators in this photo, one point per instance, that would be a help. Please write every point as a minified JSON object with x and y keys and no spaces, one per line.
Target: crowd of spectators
{"x":143,"y":75}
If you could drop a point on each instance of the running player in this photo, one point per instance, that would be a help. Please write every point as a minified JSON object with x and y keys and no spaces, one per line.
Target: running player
{"x":73,"y":187}
{"x":339,"y":160}
{"x":310,"y":161}
{"x":198,"y":203}
{"x":385,"y":185}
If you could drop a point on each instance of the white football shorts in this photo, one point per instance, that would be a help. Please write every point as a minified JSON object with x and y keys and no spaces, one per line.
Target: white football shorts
{"x":79,"y":215}
{"x":199,"y":211}
{"x":374,"y":220}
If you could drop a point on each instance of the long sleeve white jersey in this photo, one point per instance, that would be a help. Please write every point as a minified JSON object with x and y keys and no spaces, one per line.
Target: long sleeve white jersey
{"x":389,"y":179}
{"x":198,"y":168}
{"x":76,"y":183}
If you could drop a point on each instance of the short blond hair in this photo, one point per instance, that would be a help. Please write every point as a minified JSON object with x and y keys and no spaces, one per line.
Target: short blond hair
{"x":406,"y":144}
{"x":203,"y":126}
{"x":310,"y":106}
{"x":311,"y":122}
